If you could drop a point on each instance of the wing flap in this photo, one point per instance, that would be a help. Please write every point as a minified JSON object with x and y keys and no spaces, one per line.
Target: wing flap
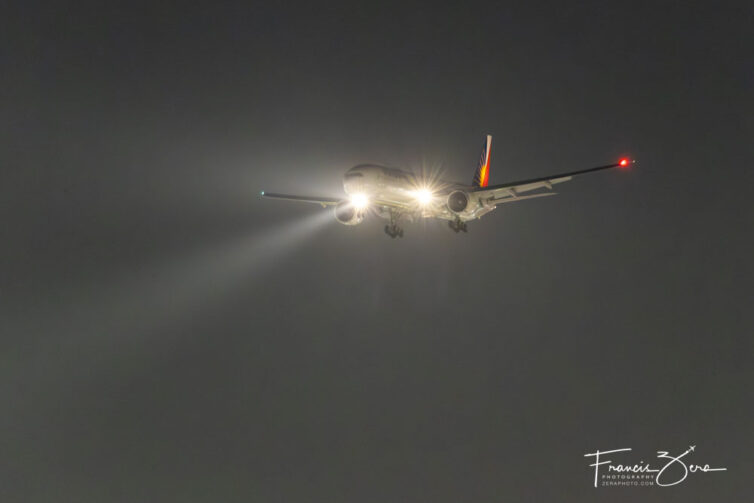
{"x":521,"y":198}
{"x":324,"y":201}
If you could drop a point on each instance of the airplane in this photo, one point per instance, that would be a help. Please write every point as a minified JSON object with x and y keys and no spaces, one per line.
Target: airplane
{"x":394,"y":194}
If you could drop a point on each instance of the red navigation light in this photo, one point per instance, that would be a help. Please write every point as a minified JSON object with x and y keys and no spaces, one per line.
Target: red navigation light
{"x":623,"y":162}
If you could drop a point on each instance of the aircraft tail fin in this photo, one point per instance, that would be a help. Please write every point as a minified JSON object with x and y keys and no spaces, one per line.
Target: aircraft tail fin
{"x":482,"y":173}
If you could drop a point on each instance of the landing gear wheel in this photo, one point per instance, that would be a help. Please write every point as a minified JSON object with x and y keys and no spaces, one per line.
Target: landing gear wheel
{"x":393,"y":231}
{"x":392,"y":228}
{"x":458,"y":226}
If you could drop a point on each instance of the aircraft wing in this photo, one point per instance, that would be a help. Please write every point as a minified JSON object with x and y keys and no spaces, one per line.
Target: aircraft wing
{"x":324,"y":201}
{"x":509,"y":192}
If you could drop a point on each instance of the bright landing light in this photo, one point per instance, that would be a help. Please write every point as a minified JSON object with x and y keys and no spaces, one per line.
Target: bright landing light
{"x":359,"y":201}
{"x":423,"y":196}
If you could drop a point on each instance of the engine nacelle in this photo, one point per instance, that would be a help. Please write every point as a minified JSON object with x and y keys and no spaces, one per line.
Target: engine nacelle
{"x":346,"y":214}
{"x":458,"y":201}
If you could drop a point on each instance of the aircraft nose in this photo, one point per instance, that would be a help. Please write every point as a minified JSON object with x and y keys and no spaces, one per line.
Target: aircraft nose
{"x":353,"y":181}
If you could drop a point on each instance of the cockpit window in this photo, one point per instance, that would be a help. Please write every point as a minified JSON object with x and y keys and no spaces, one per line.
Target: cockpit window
{"x":395,"y":173}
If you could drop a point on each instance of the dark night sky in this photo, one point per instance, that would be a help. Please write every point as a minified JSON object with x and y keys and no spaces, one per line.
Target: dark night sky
{"x":168,"y":336}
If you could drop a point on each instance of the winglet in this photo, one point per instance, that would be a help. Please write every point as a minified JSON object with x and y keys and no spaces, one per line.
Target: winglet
{"x":482,"y":173}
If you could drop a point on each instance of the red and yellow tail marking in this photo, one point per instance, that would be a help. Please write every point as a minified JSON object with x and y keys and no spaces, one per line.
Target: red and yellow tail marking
{"x":482,"y":174}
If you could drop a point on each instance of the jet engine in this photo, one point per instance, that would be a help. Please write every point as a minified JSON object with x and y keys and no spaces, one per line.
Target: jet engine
{"x":346,"y":214}
{"x":458,"y":201}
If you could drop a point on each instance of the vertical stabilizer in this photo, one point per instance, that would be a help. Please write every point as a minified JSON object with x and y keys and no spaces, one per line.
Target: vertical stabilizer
{"x":482,"y":174}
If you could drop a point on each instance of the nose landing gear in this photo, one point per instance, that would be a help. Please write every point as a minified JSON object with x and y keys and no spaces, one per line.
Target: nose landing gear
{"x":392,"y":228}
{"x":393,"y":231}
{"x":458,"y":225}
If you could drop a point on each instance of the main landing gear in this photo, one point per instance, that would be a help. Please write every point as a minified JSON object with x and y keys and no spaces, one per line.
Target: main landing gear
{"x":458,"y":225}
